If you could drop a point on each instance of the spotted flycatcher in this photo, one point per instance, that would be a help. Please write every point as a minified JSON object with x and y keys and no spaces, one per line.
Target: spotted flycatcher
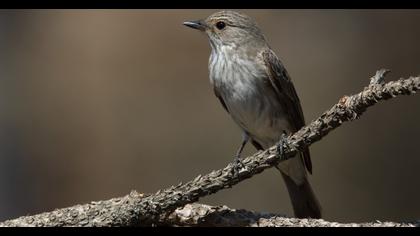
{"x":256,"y":90}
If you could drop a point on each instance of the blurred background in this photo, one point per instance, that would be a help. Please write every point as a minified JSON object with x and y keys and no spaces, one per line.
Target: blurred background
{"x":96,"y":103}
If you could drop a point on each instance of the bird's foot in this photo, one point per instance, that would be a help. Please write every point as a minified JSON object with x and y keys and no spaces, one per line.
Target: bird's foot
{"x":280,"y":151}
{"x":237,"y":166}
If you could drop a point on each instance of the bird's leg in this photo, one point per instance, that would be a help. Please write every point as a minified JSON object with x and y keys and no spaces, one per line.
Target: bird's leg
{"x":237,"y":160}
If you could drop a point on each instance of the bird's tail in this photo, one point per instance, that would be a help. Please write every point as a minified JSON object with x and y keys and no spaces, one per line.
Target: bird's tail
{"x":304,"y":202}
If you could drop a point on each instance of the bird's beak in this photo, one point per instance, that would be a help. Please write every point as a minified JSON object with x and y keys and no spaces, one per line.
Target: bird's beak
{"x":196,"y":24}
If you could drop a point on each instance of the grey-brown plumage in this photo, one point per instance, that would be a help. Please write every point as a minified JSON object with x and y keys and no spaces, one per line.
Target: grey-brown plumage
{"x":256,"y":90}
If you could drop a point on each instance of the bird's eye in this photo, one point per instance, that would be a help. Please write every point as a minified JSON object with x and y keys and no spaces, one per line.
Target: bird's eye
{"x":220,"y":25}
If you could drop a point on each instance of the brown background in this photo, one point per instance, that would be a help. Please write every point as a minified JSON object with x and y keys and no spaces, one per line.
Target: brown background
{"x":95,"y":103}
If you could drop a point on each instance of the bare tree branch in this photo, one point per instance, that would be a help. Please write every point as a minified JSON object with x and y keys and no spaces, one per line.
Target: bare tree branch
{"x":137,"y":209}
{"x":200,"y":215}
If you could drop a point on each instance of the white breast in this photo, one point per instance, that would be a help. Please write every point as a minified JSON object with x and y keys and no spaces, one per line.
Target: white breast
{"x":251,"y":103}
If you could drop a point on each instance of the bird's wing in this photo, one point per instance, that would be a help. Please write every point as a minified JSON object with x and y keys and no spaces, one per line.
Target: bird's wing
{"x":220,"y":99}
{"x":286,"y":93}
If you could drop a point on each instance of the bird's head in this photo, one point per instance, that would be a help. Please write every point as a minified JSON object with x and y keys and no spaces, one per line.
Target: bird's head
{"x":229,"y":28}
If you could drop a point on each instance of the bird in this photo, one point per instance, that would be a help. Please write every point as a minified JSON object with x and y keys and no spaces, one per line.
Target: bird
{"x":254,"y":87}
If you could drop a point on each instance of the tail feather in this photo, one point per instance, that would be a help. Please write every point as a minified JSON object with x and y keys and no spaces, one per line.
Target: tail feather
{"x":304,"y":202}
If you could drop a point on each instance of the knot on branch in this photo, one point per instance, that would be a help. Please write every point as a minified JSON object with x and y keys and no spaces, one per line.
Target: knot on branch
{"x":379,"y":77}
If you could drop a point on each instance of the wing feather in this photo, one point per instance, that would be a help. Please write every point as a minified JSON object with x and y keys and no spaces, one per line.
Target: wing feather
{"x":220,"y":99}
{"x":286,"y":93}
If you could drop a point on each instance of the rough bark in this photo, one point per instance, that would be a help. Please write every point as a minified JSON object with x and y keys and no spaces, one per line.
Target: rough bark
{"x":200,"y":215}
{"x":139,"y":210}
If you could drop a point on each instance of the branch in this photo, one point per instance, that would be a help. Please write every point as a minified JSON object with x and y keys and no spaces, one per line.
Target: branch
{"x":137,"y":209}
{"x":221,"y":216}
